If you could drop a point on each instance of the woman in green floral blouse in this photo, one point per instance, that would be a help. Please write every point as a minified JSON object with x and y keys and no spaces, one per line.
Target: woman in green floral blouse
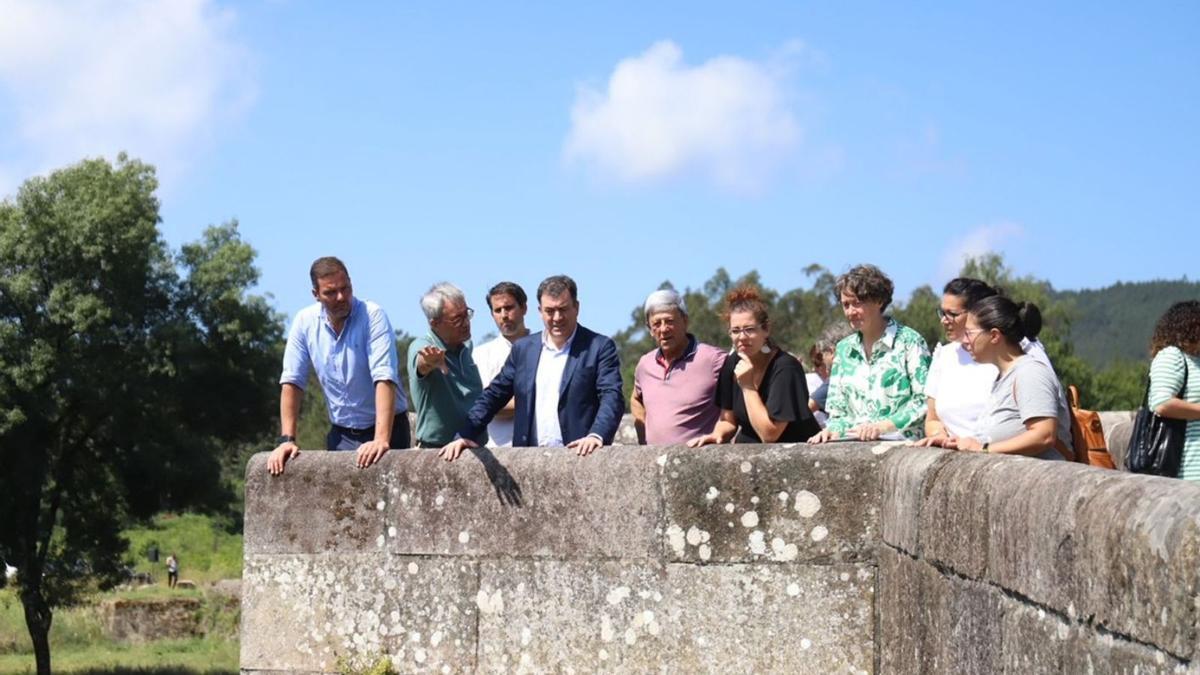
{"x":877,"y":384}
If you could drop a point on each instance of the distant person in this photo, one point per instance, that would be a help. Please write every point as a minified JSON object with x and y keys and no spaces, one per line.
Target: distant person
{"x":675,"y":384}
{"x":762,"y":390}
{"x":959,"y":387}
{"x":442,"y":376}
{"x":172,"y":571}
{"x":350,"y":344}
{"x":1175,"y":347}
{"x":821,"y":356}
{"x":566,"y":381}
{"x":1027,"y":412}
{"x":508,"y":303}
{"x":877,"y":382}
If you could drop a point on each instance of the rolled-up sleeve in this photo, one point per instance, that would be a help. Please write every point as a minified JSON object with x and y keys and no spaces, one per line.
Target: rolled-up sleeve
{"x":383,"y":358}
{"x":295,"y":355}
{"x":1167,"y":371}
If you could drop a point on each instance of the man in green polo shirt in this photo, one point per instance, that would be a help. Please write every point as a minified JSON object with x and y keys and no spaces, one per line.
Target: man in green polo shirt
{"x":442,"y":375}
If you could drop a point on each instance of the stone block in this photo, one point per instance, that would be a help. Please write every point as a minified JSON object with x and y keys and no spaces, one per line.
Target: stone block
{"x":1117,"y":439}
{"x":1091,"y":652}
{"x":899,"y":603}
{"x":539,"y":502}
{"x":321,"y":503}
{"x":906,"y":472}
{"x":609,"y":616}
{"x":1138,"y":560}
{"x":781,"y":503}
{"x":1034,"y":640}
{"x":306,"y":612}
{"x":1033,"y":512}
{"x":963,"y":624}
{"x":954,"y":520}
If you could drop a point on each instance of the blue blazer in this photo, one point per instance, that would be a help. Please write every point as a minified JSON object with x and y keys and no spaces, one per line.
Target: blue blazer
{"x":589,"y":400}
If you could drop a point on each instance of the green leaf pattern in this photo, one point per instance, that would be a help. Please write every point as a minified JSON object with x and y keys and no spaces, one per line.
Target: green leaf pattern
{"x":891,"y":386}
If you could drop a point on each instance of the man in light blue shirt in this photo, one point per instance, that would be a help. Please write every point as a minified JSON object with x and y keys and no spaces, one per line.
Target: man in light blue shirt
{"x":351,"y":345}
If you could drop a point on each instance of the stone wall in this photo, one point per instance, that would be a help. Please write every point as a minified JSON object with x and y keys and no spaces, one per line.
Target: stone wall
{"x":842,"y":558}
{"x":995,"y":564}
{"x":731,"y":559}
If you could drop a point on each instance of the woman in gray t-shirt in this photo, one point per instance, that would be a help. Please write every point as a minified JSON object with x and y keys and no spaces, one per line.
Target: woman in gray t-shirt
{"x":1027,"y":412}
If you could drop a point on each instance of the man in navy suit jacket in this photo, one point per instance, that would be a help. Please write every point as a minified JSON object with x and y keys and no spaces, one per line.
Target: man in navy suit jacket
{"x":566,"y":381}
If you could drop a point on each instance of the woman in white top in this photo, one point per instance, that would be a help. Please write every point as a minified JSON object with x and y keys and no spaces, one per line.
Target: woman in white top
{"x":959,"y":387}
{"x":1026,"y":411}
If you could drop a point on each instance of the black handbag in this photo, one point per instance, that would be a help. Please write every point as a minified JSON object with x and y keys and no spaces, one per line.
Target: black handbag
{"x":1156,"y":446}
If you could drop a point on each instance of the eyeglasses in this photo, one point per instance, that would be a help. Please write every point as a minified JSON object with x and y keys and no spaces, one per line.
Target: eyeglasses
{"x":462,"y":319}
{"x":971,"y":334}
{"x":748,"y":331}
{"x":944,"y":314}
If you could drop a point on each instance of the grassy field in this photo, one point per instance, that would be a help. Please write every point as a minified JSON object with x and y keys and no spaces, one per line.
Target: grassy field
{"x":78,"y":643}
{"x":207,"y":552}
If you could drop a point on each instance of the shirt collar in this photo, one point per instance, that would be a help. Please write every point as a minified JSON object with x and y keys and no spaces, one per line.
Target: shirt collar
{"x":887,"y":340}
{"x":687,"y":353}
{"x":350,"y":315}
{"x":548,"y":346}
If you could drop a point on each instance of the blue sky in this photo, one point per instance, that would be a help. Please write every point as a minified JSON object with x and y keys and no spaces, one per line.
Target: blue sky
{"x":626,"y":144}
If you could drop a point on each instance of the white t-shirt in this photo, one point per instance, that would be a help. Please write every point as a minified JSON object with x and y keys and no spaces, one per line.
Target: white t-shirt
{"x":490,"y":358}
{"x":961,"y":387}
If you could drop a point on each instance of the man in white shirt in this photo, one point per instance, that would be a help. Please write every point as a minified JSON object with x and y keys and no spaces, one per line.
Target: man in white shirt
{"x":508,"y":304}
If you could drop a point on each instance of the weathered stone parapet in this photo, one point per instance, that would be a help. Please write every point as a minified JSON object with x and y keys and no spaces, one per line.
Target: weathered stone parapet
{"x":731,"y":558}
{"x":1113,"y":557}
{"x":848,"y":557}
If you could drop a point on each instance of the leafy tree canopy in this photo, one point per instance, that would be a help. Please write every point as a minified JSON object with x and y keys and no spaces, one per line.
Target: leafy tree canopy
{"x":126,"y":372}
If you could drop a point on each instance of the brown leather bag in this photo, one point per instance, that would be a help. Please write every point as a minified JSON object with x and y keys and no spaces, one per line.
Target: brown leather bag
{"x":1087,"y":435}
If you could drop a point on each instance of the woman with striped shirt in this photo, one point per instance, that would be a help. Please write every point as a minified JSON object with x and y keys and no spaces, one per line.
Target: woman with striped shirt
{"x":1176,"y":351}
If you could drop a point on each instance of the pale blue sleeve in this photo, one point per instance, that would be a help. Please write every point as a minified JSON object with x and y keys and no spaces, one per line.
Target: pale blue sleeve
{"x":295,"y":355}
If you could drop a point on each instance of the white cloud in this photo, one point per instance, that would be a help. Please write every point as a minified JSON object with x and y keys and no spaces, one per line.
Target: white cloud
{"x":727,"y":118}
{"x":85,"y":78}
{"x":980,"y":241}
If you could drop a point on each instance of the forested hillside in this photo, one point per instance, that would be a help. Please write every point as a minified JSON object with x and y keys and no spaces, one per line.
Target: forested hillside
{"x":1114,"y":323}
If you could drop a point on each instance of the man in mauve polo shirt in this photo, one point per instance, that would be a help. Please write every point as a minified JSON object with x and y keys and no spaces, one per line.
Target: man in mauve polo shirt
{"x":351,"y":345}
{"x":674,"y":394}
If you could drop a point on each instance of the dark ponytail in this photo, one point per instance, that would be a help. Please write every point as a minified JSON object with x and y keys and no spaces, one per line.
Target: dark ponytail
{"x":969,"y":290}
{"x":1015,"y":321}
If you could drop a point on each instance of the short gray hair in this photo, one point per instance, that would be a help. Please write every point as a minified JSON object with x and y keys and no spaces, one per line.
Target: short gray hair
{"x":434,"y":300}
{"x":664,"y":300}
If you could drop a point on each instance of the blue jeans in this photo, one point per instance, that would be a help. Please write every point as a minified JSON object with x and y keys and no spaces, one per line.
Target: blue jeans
{"x":345,"y":438}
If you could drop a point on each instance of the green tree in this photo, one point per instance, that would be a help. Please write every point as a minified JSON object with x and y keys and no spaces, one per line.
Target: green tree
{"x":121,"y":382}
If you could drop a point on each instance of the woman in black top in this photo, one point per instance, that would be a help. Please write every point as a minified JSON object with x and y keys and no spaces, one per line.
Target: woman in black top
{"x":761,"y":391}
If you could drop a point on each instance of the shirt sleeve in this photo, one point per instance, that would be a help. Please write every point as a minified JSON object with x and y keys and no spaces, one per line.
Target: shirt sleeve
{"x":725,"y":384}
{"x":1166,"y":376}
{"x":1037,"y":392}
{"x":936,"y":367}
{"x":295,"y":356}
{"x":787,"y":397}
{"x":836,"y":404}
{"x":910,"y":409}
{"x":382,"y":346}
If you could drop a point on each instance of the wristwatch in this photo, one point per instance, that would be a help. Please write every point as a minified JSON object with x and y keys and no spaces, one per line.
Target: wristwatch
{"x":284,"y":438}
{"x":985,"y":446}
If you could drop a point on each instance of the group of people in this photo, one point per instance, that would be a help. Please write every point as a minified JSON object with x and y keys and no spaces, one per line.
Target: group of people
{"x":989,"y":388}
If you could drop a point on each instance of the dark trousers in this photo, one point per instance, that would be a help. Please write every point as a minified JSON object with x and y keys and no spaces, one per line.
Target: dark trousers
{"x":345,"y":438}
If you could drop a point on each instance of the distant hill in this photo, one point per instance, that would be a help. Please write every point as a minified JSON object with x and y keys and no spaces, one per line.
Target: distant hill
{"x":1114,"y":323}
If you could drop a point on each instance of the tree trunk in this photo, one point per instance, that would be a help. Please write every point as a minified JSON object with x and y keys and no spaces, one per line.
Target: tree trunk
{"x":37,"y":620}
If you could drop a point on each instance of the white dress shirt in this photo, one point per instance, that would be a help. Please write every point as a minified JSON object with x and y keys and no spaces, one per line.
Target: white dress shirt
{"x":490,"y":358}
{"x":551,"y":364}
